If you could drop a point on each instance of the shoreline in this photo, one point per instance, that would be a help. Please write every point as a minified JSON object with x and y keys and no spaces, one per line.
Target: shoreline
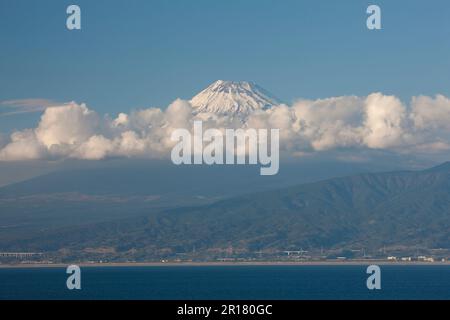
{"x":225,"y":264}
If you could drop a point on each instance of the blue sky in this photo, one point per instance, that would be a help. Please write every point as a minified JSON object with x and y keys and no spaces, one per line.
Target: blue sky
{"x":134,"y":54}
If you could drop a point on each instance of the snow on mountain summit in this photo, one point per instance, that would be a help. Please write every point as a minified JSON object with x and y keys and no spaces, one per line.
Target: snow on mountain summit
{"x":235,"y":98}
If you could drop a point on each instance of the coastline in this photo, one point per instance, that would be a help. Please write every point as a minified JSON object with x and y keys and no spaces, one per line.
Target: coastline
{"x":225,"y":264}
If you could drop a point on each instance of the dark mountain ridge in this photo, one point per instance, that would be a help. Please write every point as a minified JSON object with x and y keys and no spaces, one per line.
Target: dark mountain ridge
{"x":405,"y":210}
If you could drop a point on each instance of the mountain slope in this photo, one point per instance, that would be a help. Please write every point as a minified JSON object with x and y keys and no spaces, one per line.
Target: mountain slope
{"x":233,"y":98}
{"x":124,"y":189}
{"x":406,"y":210}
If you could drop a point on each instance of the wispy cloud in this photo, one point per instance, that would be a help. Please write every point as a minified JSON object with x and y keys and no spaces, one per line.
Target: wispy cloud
{"x":20,"y":106}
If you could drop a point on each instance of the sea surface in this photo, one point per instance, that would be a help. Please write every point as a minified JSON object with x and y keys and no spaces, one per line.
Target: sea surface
{"x":228,"y":282}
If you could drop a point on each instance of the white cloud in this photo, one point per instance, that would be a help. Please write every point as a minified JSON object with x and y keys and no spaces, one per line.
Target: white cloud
{"x":375,"y":122}
{"x":95,"y":148}
{"x":384,"y":121}
{"x":69,"y":124}
{"x":330,"y":123}
{"x":19,"y":106}
{"x":431,"y":113}
{"x":23,"y":146}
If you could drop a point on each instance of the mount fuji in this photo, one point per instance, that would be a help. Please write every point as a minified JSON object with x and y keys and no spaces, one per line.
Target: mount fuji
{"x":233,"y":98}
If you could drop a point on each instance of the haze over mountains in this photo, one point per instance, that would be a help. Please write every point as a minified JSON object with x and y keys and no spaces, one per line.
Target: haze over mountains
{"x":139,"y":185}
{"x":153,"y":210}
{"x":404,"y":211}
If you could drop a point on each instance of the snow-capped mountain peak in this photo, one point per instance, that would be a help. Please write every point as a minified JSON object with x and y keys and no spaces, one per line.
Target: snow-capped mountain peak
{"x":235,"y":98}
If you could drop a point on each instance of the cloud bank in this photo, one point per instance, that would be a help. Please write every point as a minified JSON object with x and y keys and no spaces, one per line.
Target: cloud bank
{"x":375,"y":122}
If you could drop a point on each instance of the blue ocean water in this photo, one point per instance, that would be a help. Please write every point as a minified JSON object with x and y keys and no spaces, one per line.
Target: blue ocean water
{"x":228,"y":282}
